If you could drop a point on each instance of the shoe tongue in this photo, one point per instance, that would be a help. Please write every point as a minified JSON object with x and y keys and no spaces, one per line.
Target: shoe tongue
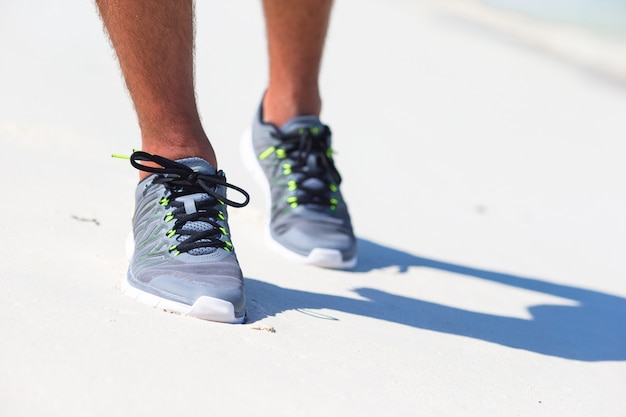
{"x":300,"y":122}
{"x":190,"y":202}
{"x":198,"y":164}
{"x":307,"y":122}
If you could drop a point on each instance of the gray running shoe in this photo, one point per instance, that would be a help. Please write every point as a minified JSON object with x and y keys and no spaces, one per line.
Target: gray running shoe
{"x":183,"y":259}
{"x":309,"y":220}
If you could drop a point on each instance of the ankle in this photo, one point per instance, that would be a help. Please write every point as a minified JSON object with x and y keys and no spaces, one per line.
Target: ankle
{"x":178,"y":148}
{"x":278,"y":108}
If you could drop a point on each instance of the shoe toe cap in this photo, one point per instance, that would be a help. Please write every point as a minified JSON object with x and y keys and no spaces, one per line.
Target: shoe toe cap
{"x":188,"y":283}
{"x":304,"y":236}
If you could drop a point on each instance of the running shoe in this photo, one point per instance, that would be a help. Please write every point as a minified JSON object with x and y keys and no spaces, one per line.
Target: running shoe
{"x":309,"y":220}
{"x":182,"y":258}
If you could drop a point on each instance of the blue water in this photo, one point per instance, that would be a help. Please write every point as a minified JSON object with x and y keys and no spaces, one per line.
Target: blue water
{"x":607,"y":16}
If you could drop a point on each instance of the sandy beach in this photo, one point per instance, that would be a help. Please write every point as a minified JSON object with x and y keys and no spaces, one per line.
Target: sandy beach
{"x":482,"y":157}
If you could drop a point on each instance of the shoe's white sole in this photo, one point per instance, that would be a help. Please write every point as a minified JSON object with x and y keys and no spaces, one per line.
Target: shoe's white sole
{"x":205,"y":308}
{"x":326,"y":258}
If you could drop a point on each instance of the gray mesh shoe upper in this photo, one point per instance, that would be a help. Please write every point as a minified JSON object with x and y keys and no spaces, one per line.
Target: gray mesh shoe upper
{"x":308,"y":212}
{"x":183,"y":248}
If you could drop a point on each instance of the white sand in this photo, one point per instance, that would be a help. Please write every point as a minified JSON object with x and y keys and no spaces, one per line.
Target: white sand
{"x":485,"y":175}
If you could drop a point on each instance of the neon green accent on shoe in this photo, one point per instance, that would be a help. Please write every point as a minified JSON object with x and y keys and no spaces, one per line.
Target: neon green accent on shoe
{"x":267,"y":153}
{"x":169,"y":217}
{"x":333,"y":203}
{"x":120,"y":156}
{"x":171,"y":233}
{"x":164,"y":201}
{"x":224,"y":231}
{"x":287,"y":169}
{"x":333,"y":187}
{"x":281,"y":153}
{"x":291,"y":185}
{"x":292,"y":201}
{"x":221,"y":215}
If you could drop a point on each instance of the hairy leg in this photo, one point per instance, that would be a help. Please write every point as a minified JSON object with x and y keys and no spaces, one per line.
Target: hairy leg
{"x":296,"y":31}
{"x":154,"y":42}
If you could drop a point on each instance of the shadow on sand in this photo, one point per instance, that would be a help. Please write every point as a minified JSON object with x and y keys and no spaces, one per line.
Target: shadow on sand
{"x":593,"y":330}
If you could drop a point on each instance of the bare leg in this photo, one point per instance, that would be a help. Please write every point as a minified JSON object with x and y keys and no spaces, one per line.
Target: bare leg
{"x":154,"y":42}
{"x":296,"y":31}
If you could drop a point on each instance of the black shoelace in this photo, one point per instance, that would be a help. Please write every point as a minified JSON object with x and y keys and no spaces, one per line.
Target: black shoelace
{"x":311,"y":155}
{"x":180,"y":180}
